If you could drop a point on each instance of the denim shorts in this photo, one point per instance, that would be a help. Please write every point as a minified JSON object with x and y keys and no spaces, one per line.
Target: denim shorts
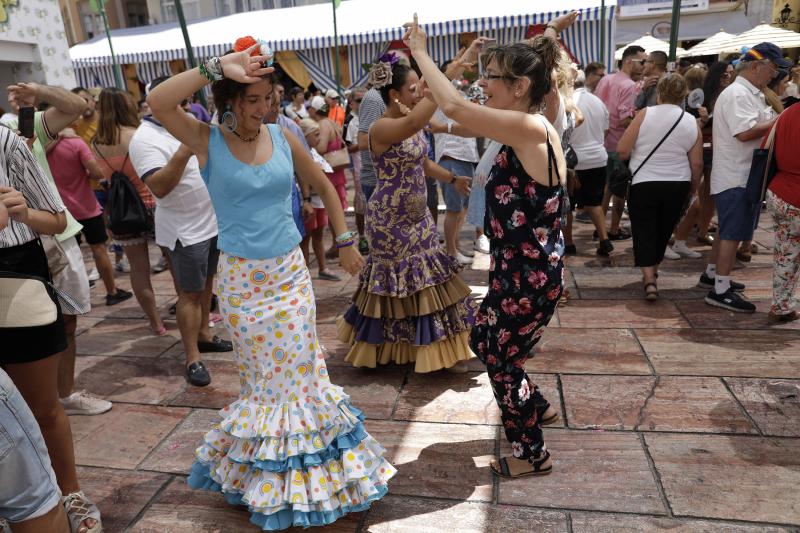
{"x":736,"y":215}
{"x":454,"y":200}
{"x":29,"y":489}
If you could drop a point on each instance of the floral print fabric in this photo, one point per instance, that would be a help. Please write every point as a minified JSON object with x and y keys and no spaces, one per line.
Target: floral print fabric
{"x":786,"y":267}
{"x":523,"y":223}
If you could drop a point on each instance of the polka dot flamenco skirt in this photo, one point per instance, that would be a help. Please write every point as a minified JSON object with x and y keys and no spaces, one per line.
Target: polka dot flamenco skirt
{"x":292,"y":448}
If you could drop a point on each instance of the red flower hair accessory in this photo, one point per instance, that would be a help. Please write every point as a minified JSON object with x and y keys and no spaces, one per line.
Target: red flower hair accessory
{"x":243,"y":43}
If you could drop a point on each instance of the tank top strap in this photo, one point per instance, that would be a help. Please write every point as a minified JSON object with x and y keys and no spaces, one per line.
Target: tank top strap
{"x":279,"y":141}
{"x":551,"y":156}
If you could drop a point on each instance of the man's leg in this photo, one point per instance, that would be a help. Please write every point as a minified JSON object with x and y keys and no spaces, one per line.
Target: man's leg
{"x":190,"y":318}
{"x":451,"y":227}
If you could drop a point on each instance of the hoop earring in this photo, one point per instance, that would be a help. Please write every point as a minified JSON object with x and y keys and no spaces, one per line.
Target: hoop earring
{"x":229,"y":121}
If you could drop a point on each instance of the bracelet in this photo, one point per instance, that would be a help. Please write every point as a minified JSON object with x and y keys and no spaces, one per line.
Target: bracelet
{"x":449,"y":127}
{"x":345,"y":237}
{"x":452,"y":178}
{"x":345,"y":244}
{"x":212,"y":69}
{"x":552,"y":28}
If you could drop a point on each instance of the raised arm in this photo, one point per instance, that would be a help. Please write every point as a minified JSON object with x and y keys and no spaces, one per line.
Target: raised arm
{"x":65,"y":107}
{"x":388,"y":131}
{"x":165,"y":99}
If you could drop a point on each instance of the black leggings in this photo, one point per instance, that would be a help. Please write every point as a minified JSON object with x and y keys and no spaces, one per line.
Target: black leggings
{"x":655,"y":208}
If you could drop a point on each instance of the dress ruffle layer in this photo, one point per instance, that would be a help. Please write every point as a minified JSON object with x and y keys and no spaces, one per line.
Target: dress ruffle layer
{"x":293,"y":464}
{"x":402,"y":277}
{"x":424,"y":302}
{"x":430,"y":358}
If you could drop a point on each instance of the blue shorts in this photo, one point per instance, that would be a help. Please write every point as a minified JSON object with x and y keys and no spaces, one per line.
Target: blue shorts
{"x":367,"y":190}
{"x":29,"y":489}
{"x":736,"y":215}
{"x":454,"y":200}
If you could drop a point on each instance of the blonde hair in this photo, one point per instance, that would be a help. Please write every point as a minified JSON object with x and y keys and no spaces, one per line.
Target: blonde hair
{"x":566,"y":72}
{"x":695,"y":77}
{"x":672,"y":89}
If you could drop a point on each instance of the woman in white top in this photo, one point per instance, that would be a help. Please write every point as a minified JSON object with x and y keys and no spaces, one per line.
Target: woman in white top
{"x":664,"y":182}
{"x":296,"y":110}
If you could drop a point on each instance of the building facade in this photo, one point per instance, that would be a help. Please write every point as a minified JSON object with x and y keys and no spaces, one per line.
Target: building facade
{"x":33,"y":45}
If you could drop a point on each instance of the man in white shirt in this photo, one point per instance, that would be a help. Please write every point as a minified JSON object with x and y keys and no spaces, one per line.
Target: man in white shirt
{"x":588,"y":142}
{"x":458,"y":155}
{"x":186,"y":226}
{"x":741,"y":120}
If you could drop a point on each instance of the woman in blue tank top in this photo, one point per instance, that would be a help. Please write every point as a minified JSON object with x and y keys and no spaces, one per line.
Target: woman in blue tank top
{"x":292,"y":448}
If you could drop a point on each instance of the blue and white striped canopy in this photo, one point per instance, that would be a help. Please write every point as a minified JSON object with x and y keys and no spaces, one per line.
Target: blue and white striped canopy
{"x":364,"y":25}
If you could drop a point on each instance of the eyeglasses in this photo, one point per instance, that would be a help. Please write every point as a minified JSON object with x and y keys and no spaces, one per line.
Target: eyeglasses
{"x":358,"y":100}
{"x":487,"y":76}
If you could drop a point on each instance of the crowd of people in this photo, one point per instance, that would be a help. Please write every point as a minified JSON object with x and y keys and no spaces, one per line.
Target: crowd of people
{"x":523,"y":144}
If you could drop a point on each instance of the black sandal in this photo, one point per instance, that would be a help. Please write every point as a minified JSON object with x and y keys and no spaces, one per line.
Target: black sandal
{"x":535,"y":463}
{"x":550,"y":419}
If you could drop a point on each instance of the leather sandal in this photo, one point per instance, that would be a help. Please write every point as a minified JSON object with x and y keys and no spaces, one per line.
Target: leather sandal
{"x":537,"y":463}
{"x":650,"y":296}
{"x":548,"y":415}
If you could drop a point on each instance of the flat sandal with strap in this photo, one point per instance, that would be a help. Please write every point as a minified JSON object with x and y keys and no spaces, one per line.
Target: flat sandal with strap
{"x":536,"y":463}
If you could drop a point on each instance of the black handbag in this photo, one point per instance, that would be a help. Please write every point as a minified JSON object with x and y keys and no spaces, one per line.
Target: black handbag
{"x":570,"y":157}
{"x":762,"y":169}
{"x":127,"y":213}
{"x":619,"y":173}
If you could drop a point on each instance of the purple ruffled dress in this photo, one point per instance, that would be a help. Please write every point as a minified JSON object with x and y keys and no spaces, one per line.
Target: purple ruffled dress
{"x":411,"y":305}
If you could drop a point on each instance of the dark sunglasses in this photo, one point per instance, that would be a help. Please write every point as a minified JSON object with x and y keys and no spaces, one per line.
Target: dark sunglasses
{"x":358,"y":100}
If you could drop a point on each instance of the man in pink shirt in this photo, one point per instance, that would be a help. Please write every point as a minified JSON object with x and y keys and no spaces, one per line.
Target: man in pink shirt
{"x":73,"y":165}
{"x":618,"y":92}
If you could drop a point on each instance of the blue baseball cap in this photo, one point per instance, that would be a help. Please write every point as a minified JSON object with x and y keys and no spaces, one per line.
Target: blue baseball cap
{"x":767,"y":51}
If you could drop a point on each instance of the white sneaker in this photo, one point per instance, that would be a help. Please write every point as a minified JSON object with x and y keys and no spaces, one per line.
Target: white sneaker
{"x":463,"y":259}
{"x":669,"y":253}
{"x":93,"y":274}
{"x":123,"y":265}
{"x":482,"y":244}
{"x":84,"y":403}
{"x":682,"y":250}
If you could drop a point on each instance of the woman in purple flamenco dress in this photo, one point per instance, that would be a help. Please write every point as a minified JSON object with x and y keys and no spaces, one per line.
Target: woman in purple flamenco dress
{"x":411,"y":306}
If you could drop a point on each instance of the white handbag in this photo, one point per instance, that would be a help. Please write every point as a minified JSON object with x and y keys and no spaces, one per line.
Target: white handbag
{"x":25,"y":301}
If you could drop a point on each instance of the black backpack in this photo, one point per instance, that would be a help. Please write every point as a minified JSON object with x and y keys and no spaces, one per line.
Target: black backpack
{"x":126,"y":211}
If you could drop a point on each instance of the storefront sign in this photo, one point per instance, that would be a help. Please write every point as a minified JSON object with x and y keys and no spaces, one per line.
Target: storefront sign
{"x":4,"y":5}
{"x":647,"y":8}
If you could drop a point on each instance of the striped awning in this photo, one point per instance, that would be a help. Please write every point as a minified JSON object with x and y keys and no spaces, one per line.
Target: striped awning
{"x":360,"y":22}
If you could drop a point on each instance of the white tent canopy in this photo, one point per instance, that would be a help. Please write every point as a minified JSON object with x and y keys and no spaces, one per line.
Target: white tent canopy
{"x":710,"y":45}
{"x":650,"y":44}
{"x":310,"y":27}
{"x":761,"y":33}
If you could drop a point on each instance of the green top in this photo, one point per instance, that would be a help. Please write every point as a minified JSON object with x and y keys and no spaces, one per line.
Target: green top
{"x":73,"y":226}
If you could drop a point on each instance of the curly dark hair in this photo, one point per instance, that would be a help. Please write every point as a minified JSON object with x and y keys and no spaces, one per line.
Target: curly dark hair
{"x":226,"y":90}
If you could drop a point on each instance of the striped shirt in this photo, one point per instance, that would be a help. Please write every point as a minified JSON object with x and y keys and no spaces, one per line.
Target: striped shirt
{"x":20,"y":170}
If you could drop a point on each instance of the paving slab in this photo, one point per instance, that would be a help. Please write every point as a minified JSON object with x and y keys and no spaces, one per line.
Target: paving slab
{"x":395,"y":514}
{"x":729,"y":477}
{"x":583,"y":351}
{"x":460,"y":398}
{"x":129,"y":308}
{"x":648,"y":403}
{"x":592,"y":470}
{"x":621,"y":314}
{"x":180,"y":509}
{"x":774,"y":404}
{"x":175,"y":454}
{"x":700,"y":315}
{"x":123,"y":337}
{"x":222,"y":391}
{"x":438,"y":460}
{"x":622,"y":523}
{"x":373,"y":391}
{"x":120,"y":495}
{"x":124,"y":436}
{"x":745,"y":353}
{"x":130,"y":379}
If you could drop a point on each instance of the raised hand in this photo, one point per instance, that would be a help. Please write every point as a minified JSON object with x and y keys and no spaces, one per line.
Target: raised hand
{"x":470,"y":57}
{"x":24,"y":93}
{"x":415,"y":37}
{"x":564,"y":21}
{"x":243,"y":67}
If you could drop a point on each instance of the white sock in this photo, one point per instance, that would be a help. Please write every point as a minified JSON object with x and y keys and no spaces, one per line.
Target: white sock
{"x":711,"y":270}
{"x":722,"y":284}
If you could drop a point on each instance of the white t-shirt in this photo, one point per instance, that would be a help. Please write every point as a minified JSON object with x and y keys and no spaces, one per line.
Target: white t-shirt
{"x":351,"y":136}
{"x":295,"y":114}
{"x":671,"y":161}
{"x":588,"y":139}
{"x":740,"y":106}
{"x":186,"y":213}
{"x":461,"y":148}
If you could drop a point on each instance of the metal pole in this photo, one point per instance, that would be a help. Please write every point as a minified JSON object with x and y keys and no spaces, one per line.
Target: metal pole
{"x":117,"y":72}
{"x":603,"y":34}
{"x":336,"y":50}
{"x":673,"y":31}
{"x":189,"y":52}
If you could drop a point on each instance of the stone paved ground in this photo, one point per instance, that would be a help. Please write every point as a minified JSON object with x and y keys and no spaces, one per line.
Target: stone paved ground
{"x":674,"y":415}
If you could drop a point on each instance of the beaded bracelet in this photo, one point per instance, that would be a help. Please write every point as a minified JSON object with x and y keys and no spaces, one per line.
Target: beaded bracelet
{"x":345,"y":244}
{"x":212,"y":69}
{"x":346,"y":236}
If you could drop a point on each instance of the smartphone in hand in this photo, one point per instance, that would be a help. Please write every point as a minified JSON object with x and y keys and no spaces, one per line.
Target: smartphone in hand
{"x":26,"y":121}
